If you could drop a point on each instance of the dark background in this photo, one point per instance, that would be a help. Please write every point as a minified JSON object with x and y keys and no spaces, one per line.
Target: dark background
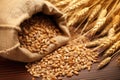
{"x":10,"y":70}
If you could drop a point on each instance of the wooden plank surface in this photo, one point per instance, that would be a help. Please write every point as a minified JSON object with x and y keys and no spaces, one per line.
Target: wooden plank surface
{"x":10,"y":70}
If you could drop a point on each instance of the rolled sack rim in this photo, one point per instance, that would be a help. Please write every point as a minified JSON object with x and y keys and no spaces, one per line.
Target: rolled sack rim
{"x":12,"y":28}
{"x":17,"y":28}
{"x":9,"y":49}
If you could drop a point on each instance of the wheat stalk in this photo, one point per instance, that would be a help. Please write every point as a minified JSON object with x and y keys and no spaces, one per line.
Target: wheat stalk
{"x":115,"y":22}
{"x":95,"y":43}
{"x":70,"y":4}
{"x":107,"y":43}
{"x":78,"y":4}
{"x":104,"y":62}
{"x":114,"y":7}
{"x":92,"y":15}
{"x":118,"y":29}
{"x":90,"y":26}
{"x":99,"y":24}
{"x":111,"y":32}
{"x":103,"y":13}
{"x":78,"y":16}
{"x":112,"y":49}
{"x":94,"y":12}
{"x":62,"y":4}
{"x":85,"y":18}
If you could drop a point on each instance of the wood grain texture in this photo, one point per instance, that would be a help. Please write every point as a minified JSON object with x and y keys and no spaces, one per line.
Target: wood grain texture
{"x":10,"y":70}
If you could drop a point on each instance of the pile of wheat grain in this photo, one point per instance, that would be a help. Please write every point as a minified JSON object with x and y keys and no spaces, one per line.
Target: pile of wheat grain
{"x":37,"y":33}
{"x":66,"y":61}
{"x":96,"y":22}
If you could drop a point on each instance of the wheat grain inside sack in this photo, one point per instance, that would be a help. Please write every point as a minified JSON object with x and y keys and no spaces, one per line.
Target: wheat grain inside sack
{"x":13,"y":13}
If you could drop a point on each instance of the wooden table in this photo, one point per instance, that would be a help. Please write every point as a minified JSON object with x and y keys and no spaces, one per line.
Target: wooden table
{"x":10,"y":70}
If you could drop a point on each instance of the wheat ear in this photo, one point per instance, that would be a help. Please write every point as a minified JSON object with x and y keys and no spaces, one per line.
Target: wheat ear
{"x":107,"y":43}
{"x":78,"y":16}
{"x":112,"y":10}
{"x":112,"y":49}
{"x":95,"y":42}
{"x":115,"y":22}
{"x":92,"y":15}
{"x":106,"y":61}
{"x":85,"y":18}
{"x":75,"y":6}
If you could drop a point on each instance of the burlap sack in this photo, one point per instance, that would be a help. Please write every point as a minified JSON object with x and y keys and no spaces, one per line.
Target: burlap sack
{"x":12,"y":13}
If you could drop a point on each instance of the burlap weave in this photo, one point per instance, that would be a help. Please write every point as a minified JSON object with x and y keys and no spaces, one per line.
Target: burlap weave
{"x":12,"y":14}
